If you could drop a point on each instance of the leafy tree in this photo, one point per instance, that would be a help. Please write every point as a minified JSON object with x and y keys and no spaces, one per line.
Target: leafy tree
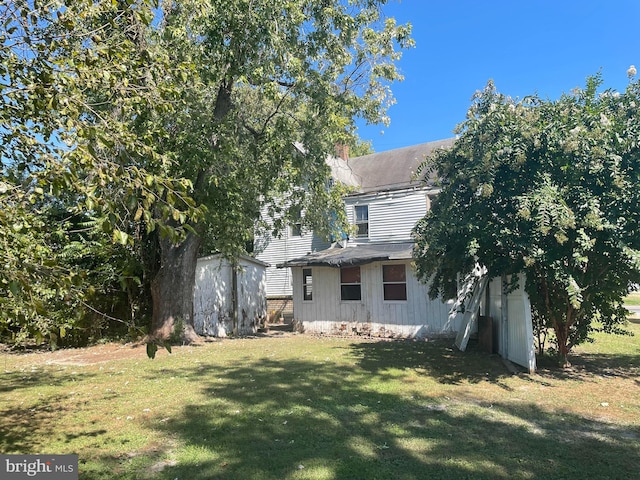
{"x":76,"y":79}
{"x":549,"y":188}
{"x":173,"y":122}
{"x":276,"y":86}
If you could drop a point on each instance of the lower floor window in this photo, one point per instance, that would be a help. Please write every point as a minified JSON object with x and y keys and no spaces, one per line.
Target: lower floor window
{"x":350,"y":283}
{"x":394,"y":282}
{"x":307,"y":284}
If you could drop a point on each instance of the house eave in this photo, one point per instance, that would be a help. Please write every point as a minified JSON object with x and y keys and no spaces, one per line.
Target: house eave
{"x":382,"y":192}
{"x":352,"y":256}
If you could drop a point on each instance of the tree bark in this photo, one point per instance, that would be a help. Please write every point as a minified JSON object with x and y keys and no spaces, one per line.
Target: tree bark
{"x":172,"y":291}
{"x":562,"y":337}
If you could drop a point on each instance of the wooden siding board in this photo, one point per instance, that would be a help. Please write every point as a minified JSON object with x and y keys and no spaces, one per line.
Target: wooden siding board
{"x":512,"y":325}
{"x":213,"y":309}
{"x":391,"y":216}
{"x":327,"y":314}
{"x":520,"y":329}
{"x":278,"y":250}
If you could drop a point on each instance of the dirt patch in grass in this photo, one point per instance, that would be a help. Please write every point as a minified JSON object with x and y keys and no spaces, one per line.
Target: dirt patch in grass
{"x":108,"y":352}
{"x":83,"y":356}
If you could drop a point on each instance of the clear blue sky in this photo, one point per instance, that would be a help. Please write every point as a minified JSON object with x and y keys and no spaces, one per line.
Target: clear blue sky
{"x":526,"y":46}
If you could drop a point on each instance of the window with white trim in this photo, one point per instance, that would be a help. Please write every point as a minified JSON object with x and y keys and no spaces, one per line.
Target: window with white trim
{"x":362,"y":221}
{"x":350,"y":283}
{"x":394,"y":282}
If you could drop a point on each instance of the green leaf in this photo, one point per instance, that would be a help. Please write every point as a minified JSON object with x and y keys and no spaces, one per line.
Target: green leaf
{"x":15,"y":287}
{"x":152,"y":348}
{"x":120,"y":237}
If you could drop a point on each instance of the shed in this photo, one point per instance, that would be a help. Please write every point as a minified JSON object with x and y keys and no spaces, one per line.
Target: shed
{"x":229,"y":295}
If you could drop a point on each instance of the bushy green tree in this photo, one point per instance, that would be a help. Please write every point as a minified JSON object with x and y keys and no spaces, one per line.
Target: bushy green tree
{"x":77,"y":79}
{"x":548,"y":188}
{"x":276,"y":86}
{"x":169,"y":122}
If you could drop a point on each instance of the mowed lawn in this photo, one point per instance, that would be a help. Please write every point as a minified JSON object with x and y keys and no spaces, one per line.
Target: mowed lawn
{"x":302,"y":407}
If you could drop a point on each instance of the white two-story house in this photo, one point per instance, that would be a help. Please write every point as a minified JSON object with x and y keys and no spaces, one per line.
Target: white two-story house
{"x":364,"y":284}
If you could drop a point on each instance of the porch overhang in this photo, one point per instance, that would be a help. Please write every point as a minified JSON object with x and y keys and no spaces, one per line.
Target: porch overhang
{"x":353,"y":255}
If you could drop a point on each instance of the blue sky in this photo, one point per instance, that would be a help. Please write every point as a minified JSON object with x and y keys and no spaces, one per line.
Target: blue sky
{"x":526,"y":46}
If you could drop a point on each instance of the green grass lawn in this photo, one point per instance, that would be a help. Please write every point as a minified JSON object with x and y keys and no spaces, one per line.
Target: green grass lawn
{"x":632,"y":299}
{"x":299,"y":407}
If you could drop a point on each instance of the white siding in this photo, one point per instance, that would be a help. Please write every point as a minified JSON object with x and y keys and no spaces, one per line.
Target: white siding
{"x":392,"y":215}
{"x":418,"y":316}
{"x":275,"y":250}
{"x":521,"y":349}
{"x":212,"y":299}
{"x":212,"y":309}
{"x":511,"y":314}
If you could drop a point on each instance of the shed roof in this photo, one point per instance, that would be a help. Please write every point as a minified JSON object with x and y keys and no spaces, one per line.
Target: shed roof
{"x":393,"y":169}
{"x":337,"y":256}
{"x":246,"y":258}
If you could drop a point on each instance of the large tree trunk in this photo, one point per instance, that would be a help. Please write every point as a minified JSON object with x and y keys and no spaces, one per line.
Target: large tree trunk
{"x":172,"y":291}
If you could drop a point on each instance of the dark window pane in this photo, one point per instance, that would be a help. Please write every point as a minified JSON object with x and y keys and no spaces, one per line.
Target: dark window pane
{"x":306,"y":275}
{"x":393,"y":273}
{"x":350,"y":292}
{"x":308,"y":293}
{"x":395,"y":291}
{"x":362,"y":213}
{"x":362,"y":220}
{"x":307,"y":280}
{"x":296,"y":230}
{"x":350,"y":275}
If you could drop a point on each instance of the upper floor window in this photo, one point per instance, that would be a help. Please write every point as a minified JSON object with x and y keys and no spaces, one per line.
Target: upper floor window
{"x":307,"y":284}
{"x":350,"y":283}
{"x":362,"y":221}
{"x":394,"y":282}
{"x":296,"y":230}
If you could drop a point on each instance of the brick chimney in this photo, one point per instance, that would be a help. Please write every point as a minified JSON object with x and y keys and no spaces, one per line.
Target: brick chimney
{"x":342,"y":151}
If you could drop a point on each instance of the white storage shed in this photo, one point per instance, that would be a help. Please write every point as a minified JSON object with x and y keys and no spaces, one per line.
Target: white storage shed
{"x":229,"y":296}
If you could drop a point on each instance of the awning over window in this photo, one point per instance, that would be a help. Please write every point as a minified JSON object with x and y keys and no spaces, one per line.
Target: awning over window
{"x":353,"y":255}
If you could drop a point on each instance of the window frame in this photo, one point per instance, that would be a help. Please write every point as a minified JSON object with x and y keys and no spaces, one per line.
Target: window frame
{"x":357,"y":222}
{"x":394,"y":282}
{"x":295,"y":230}
{"x":346,"y":286}
{"x":307,"y":295}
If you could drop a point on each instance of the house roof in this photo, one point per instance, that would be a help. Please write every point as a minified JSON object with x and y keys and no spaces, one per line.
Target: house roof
{"x":393,"y":169}
{"x":337,"y":256}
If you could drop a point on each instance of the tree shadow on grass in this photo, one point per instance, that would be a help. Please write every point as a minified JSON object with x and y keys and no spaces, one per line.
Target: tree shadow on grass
{"x":301,"y":419}
{"x":22,"y":428}
{"x":16,"y":380}
{"x":592,"y":367}
{"x":439,"y":359}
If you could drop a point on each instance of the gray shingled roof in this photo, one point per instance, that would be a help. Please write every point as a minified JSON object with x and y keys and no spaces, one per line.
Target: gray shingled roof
{"x":393,"y":169}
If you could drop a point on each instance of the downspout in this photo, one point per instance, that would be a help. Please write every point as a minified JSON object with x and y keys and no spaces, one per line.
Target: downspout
{"x":504,"y":305}
{"x":234,"y":297}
